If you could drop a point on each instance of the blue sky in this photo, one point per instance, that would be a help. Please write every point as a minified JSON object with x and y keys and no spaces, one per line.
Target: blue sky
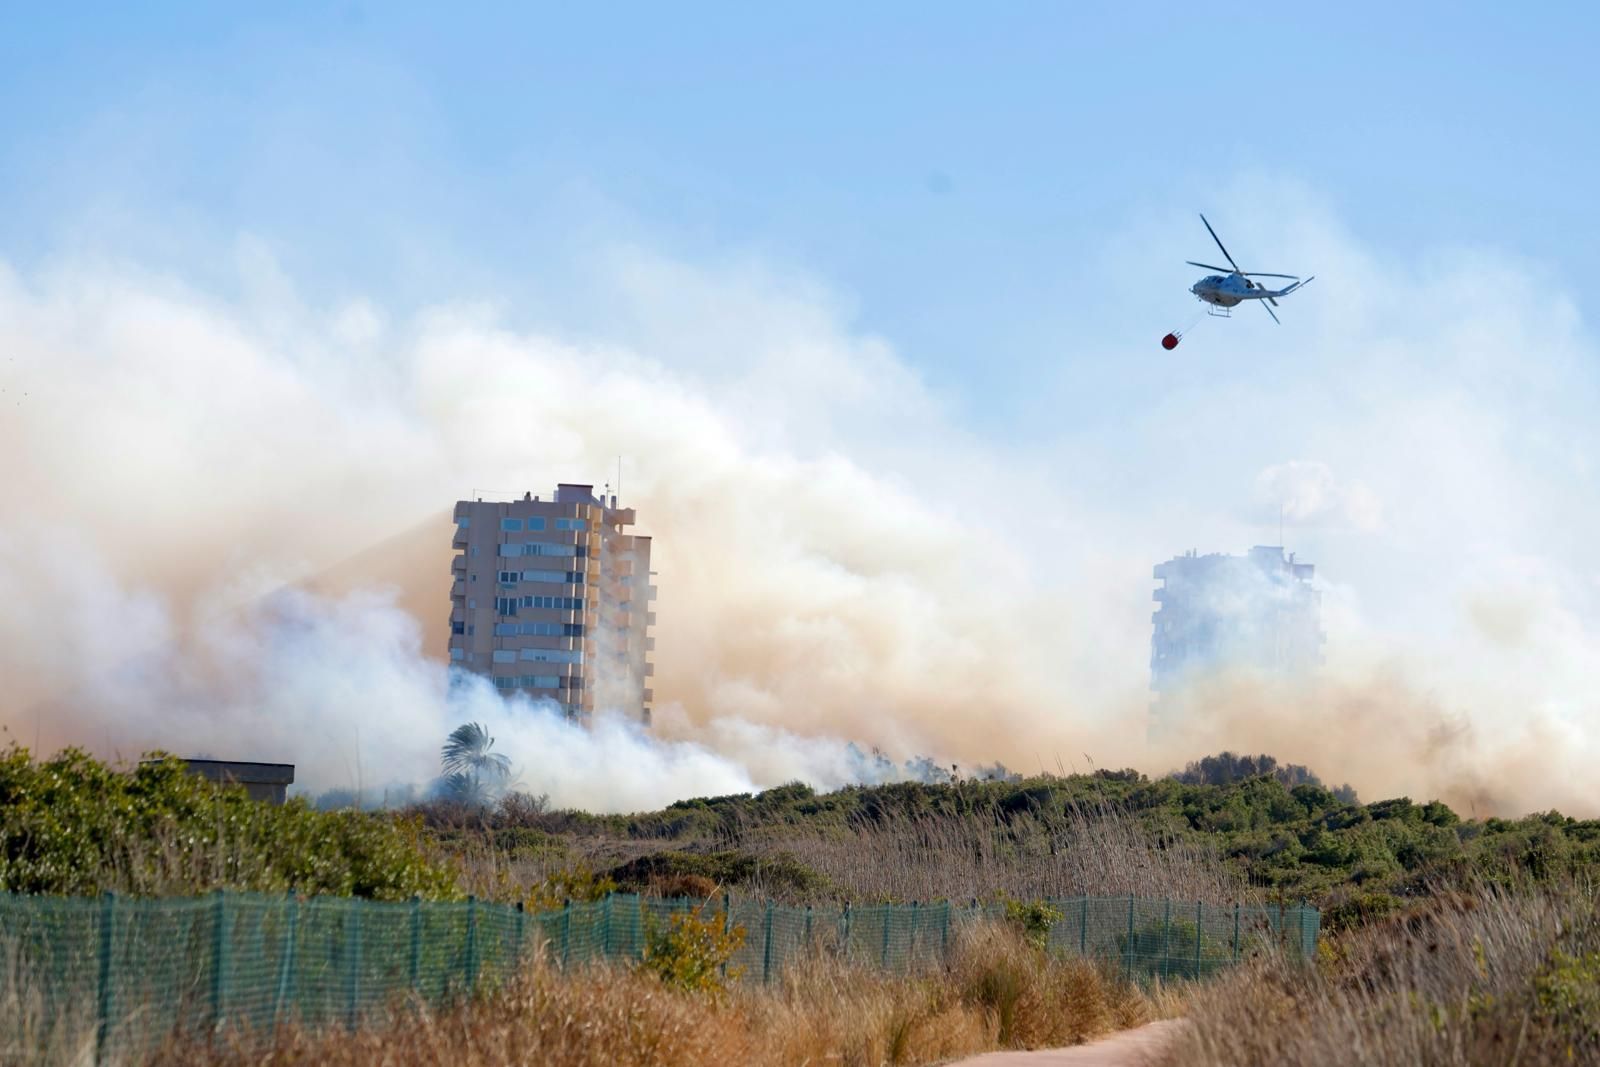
{"x":958,"y":177}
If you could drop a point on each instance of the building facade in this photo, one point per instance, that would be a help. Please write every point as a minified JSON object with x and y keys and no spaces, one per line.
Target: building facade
{"x":1217,"y":611}
{"x":552,"y":599}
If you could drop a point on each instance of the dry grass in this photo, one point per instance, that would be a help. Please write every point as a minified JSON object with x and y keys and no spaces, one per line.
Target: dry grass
{"x":1103,"y":854}
{"x":1485,"y":978}
{"x":997,"y":993}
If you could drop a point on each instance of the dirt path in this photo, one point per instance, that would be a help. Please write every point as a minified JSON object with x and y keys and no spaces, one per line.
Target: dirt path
{"x":1131,"y":1048}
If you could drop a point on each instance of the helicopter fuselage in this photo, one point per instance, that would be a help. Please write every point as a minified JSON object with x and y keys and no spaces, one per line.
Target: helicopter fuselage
{"x":1226,"y":290}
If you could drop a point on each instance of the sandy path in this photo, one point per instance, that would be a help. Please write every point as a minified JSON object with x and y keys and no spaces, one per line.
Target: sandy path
{"x":1131,"y":1048}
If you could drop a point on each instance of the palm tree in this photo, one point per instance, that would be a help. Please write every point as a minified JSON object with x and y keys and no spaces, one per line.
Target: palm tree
{"x":466,"y":760}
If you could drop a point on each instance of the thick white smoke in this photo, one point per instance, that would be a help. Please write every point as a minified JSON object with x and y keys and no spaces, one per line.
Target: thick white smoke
{"x":225,"y":529}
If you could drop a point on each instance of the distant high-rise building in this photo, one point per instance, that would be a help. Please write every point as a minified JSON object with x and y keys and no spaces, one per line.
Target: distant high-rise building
{"x":1257,"y":611}
{"x":552,"y":599}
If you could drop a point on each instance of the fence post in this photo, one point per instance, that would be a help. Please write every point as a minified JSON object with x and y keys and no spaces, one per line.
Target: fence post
{"x":352,"y":963}
{"x":1127,"y":955}
{"x":808,"y":927}
{"x":605,"y":935}
{"x":916,"y":932}
{"x":1199,"y":924}
{"x":566,"y":933}
{"x":766,"y":948}
{"x":286,"y":965}
{"x":1300,"y":931}
{"x":522,"y":935}
{"x":1236,"y":933}
{"x":845,"y":940}
{"x":472,"y":943}
{"x":727,"y":925}
{"x":887,"y":911}
{"x":108,"y":915}
{"x":944,"y":938}
{"x":1083,"y":928}
{"x":1166,"y":937}
{"x":219,"y":959}
{"x":416,"y":942}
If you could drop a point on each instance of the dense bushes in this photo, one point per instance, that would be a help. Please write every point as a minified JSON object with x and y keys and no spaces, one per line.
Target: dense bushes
{"x":73,"y":825}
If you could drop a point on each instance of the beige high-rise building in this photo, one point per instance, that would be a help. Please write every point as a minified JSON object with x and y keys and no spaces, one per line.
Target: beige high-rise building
{"x":552,"y":598}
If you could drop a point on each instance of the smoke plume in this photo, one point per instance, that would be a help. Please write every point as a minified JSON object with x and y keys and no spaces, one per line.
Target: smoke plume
{"x":226,"y":533}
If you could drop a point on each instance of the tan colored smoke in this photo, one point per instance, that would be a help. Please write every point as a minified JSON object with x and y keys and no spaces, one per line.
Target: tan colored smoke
{"x":837,"y":561}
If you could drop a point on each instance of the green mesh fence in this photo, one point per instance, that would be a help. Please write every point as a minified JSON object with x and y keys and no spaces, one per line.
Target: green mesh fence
{"x":114,"y":976}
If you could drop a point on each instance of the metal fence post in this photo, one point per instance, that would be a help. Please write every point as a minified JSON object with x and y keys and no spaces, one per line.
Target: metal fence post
{"x":522,"y":935}
{"x":844,"y":941}
{"x":472,"y":942}
{"x":1127,"y":956}
{"x":605,"y":934}
{"x":1166,"y":937}
{"x":416,"y":943}
{"x":1083,"y":928}
{"x":352,"y":963}
{"x":944,"y":936}
{"x":916,"y":932}
{"x":727,"y":925}
{"x":1300,"y":930}
{"x":1199,"y":924}
{"x":766,"y":948}
{"x":108,"y":916}
{"x":219,"y":959}
{"x":286,"y":965}
{"x":887,"y":911}
{"x":1236,"y":933}
{"x":808,"y":927}
{"x":566,"y":933}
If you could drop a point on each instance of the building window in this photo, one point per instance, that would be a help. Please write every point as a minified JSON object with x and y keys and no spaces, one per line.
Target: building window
{"x":472,"y":605}
{"x":572,"y":524}
{"x":572,"y":629}
{"x":505,"y":655}
{"x":505,"y":605}
{"x":463,"y":522}
{"x":551,"y":655}
{"x":511,"y":525}
{"x":550,"y":603}
{"x":510,"y":577}
{"x":456,"y":653}
{"x":535,"y":524}
{"x":458,"y":628}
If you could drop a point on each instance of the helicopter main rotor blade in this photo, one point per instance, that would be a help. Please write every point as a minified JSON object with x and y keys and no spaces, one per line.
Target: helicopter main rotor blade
{"x":1217,"y":239}
{"x":1264,"y":274}
{"x":1274,"y":314}
{"x":1207,"y":266}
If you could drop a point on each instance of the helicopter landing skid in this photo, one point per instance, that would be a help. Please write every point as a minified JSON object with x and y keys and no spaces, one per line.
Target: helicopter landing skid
{"x":1219,"y":312}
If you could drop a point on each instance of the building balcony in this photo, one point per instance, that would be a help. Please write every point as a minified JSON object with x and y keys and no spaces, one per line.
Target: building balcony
{"x":458,"y":564}
{"x":649,"y":618}
{"x":459,"y":588}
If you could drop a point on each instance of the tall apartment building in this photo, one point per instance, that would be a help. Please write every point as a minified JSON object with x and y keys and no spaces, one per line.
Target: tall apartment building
{"x":551,"y":598}
{"x":1258,"y":611}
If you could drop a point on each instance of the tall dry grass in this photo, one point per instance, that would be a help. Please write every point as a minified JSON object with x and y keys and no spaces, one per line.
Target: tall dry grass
{"x":1467,"y":979}
{"x":997,"y":992}
{"x":1097,"y":854}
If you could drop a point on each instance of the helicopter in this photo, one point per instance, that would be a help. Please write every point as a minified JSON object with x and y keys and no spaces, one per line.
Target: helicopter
{"x":1223,"y":292}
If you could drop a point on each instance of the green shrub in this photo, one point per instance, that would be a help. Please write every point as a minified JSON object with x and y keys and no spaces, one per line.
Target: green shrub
{"x":692,"y":950}
{"x":72,"y":825}
{"x":1033,"y":920}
